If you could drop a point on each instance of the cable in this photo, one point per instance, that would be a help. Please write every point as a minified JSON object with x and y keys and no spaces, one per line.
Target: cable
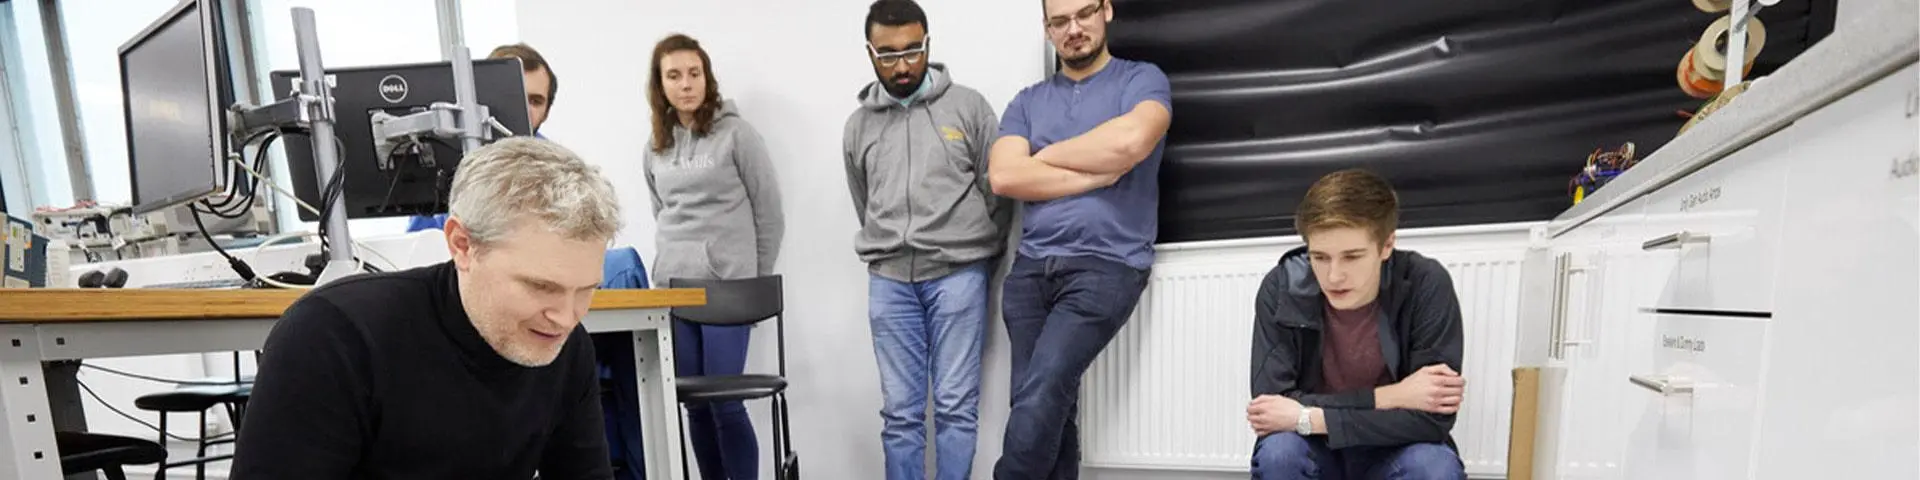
{"x":156,"y":428}
{"x":239,"y":268}
{"x":154,"y":379}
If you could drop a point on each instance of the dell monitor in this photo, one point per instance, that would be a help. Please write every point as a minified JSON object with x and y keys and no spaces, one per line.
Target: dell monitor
{"x":374,"y":185}
{"x":170,"y":77}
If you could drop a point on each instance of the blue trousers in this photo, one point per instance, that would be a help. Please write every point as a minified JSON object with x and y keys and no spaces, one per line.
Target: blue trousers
{"x":1060,"y":313}
{"x":724,"y":445}
{"x":1288,"y":456}
{"x":928,"y":334}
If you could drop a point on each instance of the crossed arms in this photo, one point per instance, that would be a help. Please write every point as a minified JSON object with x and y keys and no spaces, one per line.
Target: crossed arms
{"x":1092,"y":160}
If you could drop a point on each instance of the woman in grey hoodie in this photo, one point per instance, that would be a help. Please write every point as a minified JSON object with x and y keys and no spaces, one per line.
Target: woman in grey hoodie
{"x":718,"y":213}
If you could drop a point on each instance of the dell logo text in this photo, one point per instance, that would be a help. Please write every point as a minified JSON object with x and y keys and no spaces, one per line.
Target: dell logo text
{"x":393,"y":88}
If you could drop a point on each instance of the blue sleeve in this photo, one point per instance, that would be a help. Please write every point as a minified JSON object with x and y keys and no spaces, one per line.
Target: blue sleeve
{"x":424,"y":222}
{"x":1014,"y":122}
{"x":1147,"y":83}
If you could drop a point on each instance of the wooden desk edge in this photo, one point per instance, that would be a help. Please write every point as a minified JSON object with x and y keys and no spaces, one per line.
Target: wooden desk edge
{"x":88,"y":305}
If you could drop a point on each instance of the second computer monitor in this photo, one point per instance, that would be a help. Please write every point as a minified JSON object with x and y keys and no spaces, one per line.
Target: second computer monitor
{"x":408,"y":188}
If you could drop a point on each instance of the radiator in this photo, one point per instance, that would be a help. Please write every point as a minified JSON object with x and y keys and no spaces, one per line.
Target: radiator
{"x":1170,"y":392}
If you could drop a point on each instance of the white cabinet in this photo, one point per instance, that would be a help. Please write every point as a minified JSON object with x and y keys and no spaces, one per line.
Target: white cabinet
{"x":1842,"y":392}
{"x":1721,"y":225}
{"x":1594,"y":329}
{"x":1757,"y":318}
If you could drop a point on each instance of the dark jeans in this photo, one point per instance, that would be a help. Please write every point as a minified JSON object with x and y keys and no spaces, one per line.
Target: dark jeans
{"x":1288,"y":456}
{"x":1060,"y":313}
{"x":724,"y":445}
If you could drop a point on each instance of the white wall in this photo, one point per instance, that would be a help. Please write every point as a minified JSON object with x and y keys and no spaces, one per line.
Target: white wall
{"x":794,"y":69}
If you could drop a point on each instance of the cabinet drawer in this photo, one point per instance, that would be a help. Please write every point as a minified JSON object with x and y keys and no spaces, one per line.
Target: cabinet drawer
{"x":1708,"y":379}
{"x":1721,"y":224}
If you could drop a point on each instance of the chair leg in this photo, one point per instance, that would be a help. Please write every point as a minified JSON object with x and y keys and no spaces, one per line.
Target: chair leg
{"x":113,"y":472}
{"x":200,"y":469}
{"x":160,"y":473}
{"x":686,"y":467}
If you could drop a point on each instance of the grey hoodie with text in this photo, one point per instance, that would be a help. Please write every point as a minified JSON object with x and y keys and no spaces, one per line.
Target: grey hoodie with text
{"x":918,"y":176}
{"x":716,"y":203}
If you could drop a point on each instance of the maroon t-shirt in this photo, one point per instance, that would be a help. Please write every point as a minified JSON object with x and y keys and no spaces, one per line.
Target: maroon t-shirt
{"x":1350,"y":351}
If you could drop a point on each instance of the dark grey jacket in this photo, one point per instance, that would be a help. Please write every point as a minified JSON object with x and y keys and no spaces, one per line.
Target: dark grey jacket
{"x":1419,"y":326}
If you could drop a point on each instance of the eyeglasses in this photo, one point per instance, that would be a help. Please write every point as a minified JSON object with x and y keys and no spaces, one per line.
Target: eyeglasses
{"x":1058,"y":24}
{"x":912,"y":56}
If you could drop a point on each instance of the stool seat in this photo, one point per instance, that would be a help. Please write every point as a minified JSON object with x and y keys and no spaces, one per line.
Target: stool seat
{"x":726,"y":388}
{"x":82,"y":452}
{"x":194,"y":398}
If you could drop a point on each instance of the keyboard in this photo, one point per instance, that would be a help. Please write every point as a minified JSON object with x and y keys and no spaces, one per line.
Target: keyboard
{"x":202,"y":284}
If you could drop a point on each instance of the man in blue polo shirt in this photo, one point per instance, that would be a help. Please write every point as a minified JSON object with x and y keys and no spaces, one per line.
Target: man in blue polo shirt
{"x":1082,"y":151}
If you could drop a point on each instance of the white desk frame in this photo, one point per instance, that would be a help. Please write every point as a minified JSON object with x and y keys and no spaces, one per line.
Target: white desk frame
{"x":29,"y":441}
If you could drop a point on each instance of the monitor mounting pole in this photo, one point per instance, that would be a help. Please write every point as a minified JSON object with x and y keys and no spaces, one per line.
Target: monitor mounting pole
{"x":326,"y":158}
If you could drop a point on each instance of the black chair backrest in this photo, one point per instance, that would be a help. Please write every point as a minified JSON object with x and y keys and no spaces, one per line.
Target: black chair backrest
{"x":732,"y":302}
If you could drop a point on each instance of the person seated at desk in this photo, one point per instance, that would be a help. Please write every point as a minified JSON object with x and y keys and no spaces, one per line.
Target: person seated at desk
{"x":477,"y":368}
{"x":1357,"y":347}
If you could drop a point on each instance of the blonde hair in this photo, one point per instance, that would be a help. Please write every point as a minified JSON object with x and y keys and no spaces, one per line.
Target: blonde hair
{"x":1352,"y":198}
{"x":529,"y":178}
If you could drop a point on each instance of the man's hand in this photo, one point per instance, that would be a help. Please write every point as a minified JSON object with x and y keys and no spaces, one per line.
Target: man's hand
{"x":1272,"y":413}
{"x":1434,"y":389}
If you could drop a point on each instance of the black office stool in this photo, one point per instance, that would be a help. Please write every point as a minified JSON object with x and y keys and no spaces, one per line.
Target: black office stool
{"x":735,"y":303}
{"x":198,"y":398}
{"x":82,"y":452}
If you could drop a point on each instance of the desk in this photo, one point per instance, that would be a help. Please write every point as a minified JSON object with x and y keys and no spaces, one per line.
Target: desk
{"x":38,"y":325}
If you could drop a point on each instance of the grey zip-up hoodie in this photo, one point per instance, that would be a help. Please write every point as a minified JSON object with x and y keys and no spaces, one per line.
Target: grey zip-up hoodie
{"x":918,"y":175}
{"x":716,"y":203}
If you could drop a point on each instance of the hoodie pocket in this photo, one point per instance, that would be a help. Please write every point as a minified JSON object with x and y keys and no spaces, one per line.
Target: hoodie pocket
{"x":687,"y":259}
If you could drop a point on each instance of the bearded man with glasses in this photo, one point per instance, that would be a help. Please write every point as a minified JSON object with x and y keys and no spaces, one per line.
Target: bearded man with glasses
{"x":1082,"y":150}
{"x":931,"y":230}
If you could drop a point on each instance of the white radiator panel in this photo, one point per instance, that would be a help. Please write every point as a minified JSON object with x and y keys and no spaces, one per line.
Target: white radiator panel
{"x":1170,"y":392}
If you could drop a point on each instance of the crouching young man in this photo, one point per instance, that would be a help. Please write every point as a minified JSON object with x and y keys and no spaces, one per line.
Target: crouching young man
{"x":1356,"y":348}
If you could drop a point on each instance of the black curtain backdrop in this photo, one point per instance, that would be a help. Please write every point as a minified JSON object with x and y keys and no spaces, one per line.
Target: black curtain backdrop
{"x":1478,"y":111}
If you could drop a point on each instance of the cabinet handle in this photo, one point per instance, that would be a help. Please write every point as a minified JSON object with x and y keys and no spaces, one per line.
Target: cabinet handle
{"x":1674,"y":240}
{"x":1557,"y":320}
{"x":1661,"y":384}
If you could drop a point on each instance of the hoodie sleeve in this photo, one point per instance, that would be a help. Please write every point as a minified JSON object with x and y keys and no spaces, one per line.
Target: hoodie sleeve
{"x":1436,"y":338}
{"x":985,"y":130}
{"x":646,"y":168}
{"x":763,"y":194}
{"x":856,"y":168}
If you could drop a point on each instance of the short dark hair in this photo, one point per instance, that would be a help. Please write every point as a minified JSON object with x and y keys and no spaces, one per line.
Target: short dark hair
{"x":530,"y":60}
{"x":1351,"y":198}
{"x":893,"y":13}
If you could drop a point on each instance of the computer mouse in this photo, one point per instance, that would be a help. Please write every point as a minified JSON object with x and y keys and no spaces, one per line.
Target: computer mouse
{"x":116,"y":278}
{"x":92,"y":279}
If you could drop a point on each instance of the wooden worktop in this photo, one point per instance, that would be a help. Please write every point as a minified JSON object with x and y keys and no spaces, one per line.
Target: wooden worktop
{"x":82,"y":305}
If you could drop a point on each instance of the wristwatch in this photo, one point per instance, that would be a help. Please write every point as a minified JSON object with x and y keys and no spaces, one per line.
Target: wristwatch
{"x":1304,"y":426}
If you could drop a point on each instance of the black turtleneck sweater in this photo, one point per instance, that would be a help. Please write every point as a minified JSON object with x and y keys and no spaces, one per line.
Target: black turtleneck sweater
{"x":383,"y":376}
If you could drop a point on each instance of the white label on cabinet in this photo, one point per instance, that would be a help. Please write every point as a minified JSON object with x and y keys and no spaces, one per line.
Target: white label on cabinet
{"x":1700,"y":198}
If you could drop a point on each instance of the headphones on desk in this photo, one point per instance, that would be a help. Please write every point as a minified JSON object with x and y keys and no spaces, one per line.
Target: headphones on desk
{"x":110,"y":278}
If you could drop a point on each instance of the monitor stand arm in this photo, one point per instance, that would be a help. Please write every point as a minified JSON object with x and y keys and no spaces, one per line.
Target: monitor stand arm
{"x":312,"y":110}
{"x":466,"y":121}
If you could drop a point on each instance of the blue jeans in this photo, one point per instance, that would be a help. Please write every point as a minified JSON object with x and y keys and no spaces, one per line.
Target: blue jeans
{"x":724,"y":445}
{"x":1287,"y":456}
{"x":930,"y":332}
{"x":1060,"y":313}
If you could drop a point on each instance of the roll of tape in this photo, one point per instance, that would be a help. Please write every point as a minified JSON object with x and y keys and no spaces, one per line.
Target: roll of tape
{"x":1691,"y":82}
{"x":1713,"y":6}
{"x":1711,"y":50}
